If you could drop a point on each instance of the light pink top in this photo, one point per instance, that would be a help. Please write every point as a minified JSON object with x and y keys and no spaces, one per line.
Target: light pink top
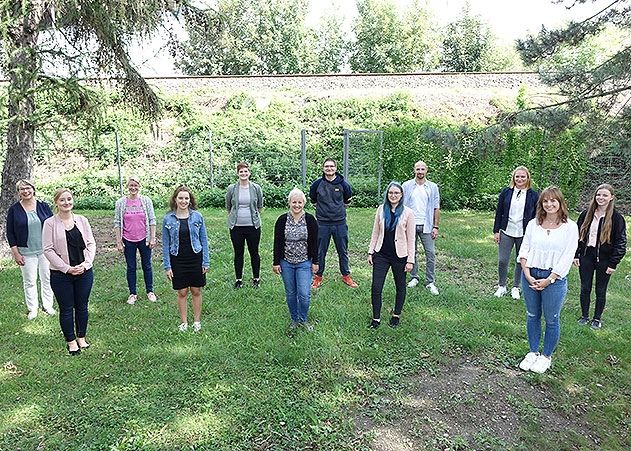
{"x":593,"y":231}
{"x":134,"y":221}
{"x":56,"y":246}
{"x":404,"y":234}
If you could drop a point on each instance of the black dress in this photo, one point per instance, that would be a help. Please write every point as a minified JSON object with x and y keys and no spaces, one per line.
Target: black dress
{"x":186,"y":265}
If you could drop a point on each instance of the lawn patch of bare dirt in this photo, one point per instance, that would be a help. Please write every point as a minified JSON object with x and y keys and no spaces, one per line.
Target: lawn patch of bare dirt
{"x":465,"y":404}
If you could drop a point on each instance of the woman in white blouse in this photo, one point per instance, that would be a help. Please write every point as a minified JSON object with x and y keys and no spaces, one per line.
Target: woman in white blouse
{"x":515,"y":208}
{"x":546,"y":255}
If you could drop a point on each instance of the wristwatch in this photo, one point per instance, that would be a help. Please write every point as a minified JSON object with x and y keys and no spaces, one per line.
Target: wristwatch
{"x":551,"y":279}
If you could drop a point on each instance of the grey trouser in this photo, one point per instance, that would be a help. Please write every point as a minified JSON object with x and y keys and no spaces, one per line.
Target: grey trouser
{"x":430,"y":255}
{"x":505,"y":248}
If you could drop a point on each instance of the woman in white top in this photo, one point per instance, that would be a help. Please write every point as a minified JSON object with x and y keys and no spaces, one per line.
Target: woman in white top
{"x":546,"y":255}
{"x":515,"y":208}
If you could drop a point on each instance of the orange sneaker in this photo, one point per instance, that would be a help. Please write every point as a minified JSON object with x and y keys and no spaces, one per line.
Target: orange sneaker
{"x":349,"y":281}
{"x":317,"y":281}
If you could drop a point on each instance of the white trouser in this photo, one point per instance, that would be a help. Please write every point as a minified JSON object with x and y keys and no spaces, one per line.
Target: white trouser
{"x":33,"y":263}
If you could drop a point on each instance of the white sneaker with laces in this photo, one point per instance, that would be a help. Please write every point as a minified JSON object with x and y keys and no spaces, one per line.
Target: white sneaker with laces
{"x":541,"y":365}
{"x":514,"y":292}
{"x":131,"y":300}
{"x":32,"y":315}
{"x":412,"y":283}
{"x":183,"y":327}
{"x":528,"y":361}
{"x":197,"y":326}
{"x":501,"y":291}
{"x":432,"y":288}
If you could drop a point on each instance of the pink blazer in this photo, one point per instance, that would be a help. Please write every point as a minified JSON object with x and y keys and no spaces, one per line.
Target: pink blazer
{"x":56,"y":246}
{"x":404,"y":234}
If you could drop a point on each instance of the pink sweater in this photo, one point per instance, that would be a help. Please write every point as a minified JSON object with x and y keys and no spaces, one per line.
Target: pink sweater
{"x":404,"y":234}
{"x":56,"y":246}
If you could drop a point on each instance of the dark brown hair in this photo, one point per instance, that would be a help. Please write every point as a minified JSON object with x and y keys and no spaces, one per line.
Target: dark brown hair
{"x":173,"y":204}
{"x":242,"y":165}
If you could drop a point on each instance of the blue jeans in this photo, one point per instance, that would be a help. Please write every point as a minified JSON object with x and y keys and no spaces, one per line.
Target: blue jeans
{"x":430,"y":255}
{"x":72,"y":294}
{"x":130,"y":248}
{"x":549,"y":301}
{"x":339,"y":232}
{"x":297,"y":280}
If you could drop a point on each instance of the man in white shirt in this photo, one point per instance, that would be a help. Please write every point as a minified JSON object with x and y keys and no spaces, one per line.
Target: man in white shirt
{"x":423,"y":197}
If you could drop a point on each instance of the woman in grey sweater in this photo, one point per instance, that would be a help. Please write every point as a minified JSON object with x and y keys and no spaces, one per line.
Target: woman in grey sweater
{"x":244,"y":202}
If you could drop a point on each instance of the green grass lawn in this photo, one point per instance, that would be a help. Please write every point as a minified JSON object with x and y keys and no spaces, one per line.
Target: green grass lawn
{"x":245,"y":383}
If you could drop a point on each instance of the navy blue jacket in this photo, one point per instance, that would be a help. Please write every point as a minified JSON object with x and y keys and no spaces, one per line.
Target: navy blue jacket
{"x":503,"y":208}
{"x":17,"y":222}
{"x":331,"y":199}
{"x":611,"y":252}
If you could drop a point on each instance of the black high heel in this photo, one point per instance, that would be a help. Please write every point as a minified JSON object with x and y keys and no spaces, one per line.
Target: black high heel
{"x":73,"y":352}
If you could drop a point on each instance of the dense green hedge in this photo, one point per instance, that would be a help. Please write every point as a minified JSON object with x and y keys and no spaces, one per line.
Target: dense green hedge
{"x":470,"y":163}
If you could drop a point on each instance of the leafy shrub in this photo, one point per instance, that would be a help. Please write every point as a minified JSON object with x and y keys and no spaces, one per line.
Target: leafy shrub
{"x":471,"y":163}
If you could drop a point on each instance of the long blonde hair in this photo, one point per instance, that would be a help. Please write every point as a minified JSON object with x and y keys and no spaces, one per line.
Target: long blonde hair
{"x":528,"y":180}
{"x":605,"y":231}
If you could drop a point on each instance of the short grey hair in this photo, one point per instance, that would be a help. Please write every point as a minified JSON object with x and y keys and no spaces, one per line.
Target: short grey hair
{"x":297,"y":192}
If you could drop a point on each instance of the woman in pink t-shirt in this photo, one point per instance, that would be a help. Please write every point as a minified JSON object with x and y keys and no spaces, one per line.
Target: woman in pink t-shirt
{"x":135,"y":225}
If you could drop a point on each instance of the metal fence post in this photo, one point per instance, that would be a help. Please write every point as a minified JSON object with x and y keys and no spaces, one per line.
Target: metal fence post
{"x":211,"y":177}
{"x":118,"y":162}
{"x":303,"y":155}
{"x":345,"y":158}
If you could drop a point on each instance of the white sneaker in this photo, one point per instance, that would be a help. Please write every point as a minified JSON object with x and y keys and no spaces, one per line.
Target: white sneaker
{"x":528,"y":361}
{"x":501,"y":291}
{"x":432,"y":288}
{"x":197,"y":326}
{"x":541,"y":364}
{"x":50,"y":312}
{"x":183,"y":327}
{"x":32,"y":315}
{"x":412,"y":283}
{"x":131,"y":300}
{"x":514,"y":292}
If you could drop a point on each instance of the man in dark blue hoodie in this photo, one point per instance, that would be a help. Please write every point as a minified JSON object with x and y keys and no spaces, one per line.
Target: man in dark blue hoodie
{"x":331,"y":194}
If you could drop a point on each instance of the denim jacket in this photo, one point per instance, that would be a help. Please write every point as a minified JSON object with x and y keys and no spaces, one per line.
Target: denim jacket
{"x":171,"y":237}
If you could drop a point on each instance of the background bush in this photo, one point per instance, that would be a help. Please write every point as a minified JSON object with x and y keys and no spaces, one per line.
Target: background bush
{"x":470,"y":163}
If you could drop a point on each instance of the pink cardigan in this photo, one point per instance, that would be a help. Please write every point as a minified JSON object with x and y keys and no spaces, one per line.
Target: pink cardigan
{"x":56,"y":246}
{"x":404,"y":234}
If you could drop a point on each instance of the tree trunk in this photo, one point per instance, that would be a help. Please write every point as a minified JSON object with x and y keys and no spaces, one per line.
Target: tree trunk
{"x":23,"y":71}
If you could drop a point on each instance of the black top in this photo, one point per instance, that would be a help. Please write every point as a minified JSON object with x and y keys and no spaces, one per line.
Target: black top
{"x":611,"y":252}
{"x":387,"y":248}
{"x":312,"y":238}
{"x":76,"y":246}
{"x":185,"y":248}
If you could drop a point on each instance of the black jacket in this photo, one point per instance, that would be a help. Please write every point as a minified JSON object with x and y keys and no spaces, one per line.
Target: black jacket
{"x":331,"y":199}
{"x":611,"y":252}
{"x":312,"y":238}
